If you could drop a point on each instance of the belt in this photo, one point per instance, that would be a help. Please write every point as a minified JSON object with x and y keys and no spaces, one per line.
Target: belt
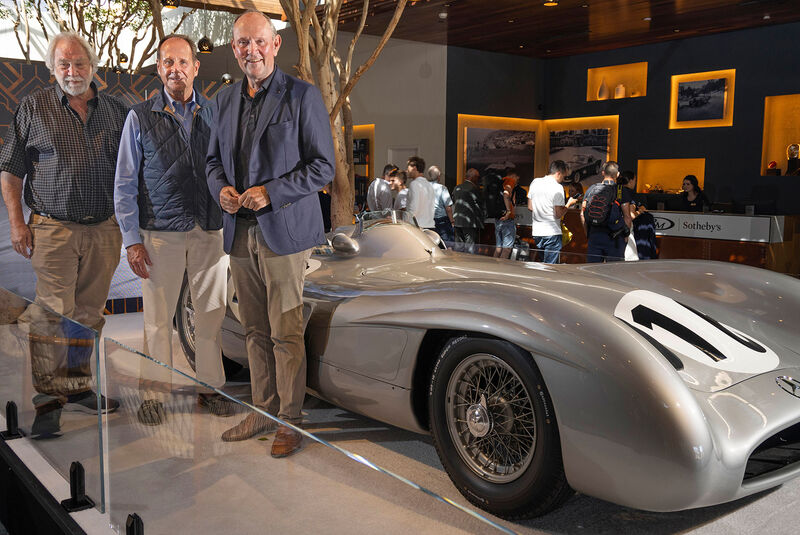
{"x":251,"y":216}
{"x":88,"y":220}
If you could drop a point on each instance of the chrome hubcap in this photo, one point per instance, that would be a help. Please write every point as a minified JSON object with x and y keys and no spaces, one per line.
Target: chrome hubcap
{"x":478,"y":420}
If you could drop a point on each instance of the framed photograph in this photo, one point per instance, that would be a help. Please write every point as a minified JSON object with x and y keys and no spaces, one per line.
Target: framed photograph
{"x":702,"y":100}
{"x":500,"y":149}
{"x":583,"y":150}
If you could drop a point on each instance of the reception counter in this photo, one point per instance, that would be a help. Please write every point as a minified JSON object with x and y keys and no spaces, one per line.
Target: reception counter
{"x":766,"y":241}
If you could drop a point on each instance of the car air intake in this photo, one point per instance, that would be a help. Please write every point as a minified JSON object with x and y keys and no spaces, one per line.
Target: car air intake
{"x":778,"y":451}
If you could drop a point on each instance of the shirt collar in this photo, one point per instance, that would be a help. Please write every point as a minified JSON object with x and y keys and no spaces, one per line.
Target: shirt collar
{"x":64,"y":99}
{"x":171,"y":102}
{"x":264,"y":85}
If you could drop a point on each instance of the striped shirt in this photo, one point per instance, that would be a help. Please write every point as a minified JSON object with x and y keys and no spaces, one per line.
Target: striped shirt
{"x":69,"y":165}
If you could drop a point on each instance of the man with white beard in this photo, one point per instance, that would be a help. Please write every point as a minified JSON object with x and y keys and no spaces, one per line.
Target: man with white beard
{"x":64,"y":140}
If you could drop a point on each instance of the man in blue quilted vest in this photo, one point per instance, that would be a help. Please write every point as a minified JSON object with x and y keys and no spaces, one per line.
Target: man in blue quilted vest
{"x":171,"y":225}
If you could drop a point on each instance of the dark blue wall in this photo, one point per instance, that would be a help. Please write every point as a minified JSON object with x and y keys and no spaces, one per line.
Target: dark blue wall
{"x":766,"y":61}
{"x":486,"y":83}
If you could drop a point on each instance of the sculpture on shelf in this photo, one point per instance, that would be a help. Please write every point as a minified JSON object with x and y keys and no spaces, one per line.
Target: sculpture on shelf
{"x":602,"y":91}
{"x":793,"y":159}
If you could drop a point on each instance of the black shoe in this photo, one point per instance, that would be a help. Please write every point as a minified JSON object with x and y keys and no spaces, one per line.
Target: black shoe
{"x":47,"y":423}
{"x":151,"y":412}
{"x":87,"y":402}
{"x":216,"y":404}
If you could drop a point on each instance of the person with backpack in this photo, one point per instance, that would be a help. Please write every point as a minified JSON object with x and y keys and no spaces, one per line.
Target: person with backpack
{"x":547,"y":206}
{"x":606,"y":218}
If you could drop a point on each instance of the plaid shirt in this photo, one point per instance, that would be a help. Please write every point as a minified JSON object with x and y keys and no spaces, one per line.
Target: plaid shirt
{"x":69,"y":165}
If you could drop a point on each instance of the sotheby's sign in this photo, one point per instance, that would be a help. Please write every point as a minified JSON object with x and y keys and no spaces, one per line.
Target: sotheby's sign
{"x":713,"y":226}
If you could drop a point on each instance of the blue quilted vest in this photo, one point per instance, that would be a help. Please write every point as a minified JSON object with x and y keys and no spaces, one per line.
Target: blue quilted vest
{"x":173,"y":193}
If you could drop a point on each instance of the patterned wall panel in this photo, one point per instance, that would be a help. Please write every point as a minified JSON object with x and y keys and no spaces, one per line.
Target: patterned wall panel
{"x":18,"y":79}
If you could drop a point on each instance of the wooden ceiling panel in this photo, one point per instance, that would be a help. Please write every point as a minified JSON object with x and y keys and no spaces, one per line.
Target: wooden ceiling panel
{"x":526,"y":27}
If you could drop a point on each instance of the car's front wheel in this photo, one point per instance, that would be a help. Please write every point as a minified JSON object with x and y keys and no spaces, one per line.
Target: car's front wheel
{"x":494,"y":428}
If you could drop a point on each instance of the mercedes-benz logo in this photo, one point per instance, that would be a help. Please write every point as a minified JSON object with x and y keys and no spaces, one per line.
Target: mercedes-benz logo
{"x":789,"y":384}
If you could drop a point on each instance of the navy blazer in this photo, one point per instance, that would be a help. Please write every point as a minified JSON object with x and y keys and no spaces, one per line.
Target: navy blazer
{"x":292,"y":157}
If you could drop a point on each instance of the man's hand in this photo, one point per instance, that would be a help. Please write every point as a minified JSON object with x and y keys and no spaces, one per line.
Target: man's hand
{"x":254,"y":198}
{"x":22,"y":239}
{"x":138,"y":259}
{"x":229,"y":199}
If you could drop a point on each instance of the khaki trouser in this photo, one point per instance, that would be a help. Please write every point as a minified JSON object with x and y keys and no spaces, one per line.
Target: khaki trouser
{"x":74,"y":265}
{"x":270,"y":292}
{"x":199,"y":253}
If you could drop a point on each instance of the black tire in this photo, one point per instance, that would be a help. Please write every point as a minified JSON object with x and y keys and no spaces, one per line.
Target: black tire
{"x":184,"y":323}
{"x":508,"y":403}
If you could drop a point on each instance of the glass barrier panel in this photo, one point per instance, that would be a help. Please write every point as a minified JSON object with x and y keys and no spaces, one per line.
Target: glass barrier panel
{"x":169,"y":464}
{"x":48,"y":370}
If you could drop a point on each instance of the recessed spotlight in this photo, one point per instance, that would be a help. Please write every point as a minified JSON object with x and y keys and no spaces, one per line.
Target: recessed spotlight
{"x":443,"y":15}
{"x":766,"y":17}
{"x":521,"y":46}
{"x":648,"y":19}
{"x":550,"y":3}
{"x":676,"y":30}
{"x":511,"y":20}
{"x":548,"y":50}
{"x":584,"y":5}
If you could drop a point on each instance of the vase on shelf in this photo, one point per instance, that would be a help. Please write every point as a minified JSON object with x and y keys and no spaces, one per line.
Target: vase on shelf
{"x":602,"y":91}
{"x":619,"y":91}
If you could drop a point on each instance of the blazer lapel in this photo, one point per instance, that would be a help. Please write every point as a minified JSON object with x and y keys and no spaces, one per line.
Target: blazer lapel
{"x":233,"y":121}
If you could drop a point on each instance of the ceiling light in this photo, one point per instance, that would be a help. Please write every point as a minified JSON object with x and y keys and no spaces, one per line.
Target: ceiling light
{"x":766,"y":17}
{"x":205,"y":46}
{"x":676,"y":30}
{"x":443,"y":15}
{"x":584,"y":5}
{"x":511,"y":20}
{"x":550,"y":3}
{"x":170,"y":4}
{"x":647,"y":19}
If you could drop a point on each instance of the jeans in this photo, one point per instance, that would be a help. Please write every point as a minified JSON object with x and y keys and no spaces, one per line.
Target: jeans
{"x":444,"y":228}
{"x":551,"y":247}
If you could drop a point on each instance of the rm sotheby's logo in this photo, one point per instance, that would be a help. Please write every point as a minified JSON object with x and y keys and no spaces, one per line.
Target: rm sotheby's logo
{"x":789,"y":384}
{"x":662,"y":223}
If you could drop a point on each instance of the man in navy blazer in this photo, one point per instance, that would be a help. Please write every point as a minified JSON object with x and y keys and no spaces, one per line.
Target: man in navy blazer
{"x":270,"y":152}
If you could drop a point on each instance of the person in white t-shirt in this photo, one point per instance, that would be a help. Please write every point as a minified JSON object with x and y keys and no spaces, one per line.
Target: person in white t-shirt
{"x":420,"y":193}
{"x":379,"y":193}
{"x":547,"y":206}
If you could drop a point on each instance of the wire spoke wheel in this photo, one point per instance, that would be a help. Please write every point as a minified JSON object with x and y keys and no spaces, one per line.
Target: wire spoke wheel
{"x":491,"y":418}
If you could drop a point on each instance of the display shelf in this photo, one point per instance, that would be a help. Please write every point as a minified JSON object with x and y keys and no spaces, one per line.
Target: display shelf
{"x":666,"y":175}
{"x":363,"y":149}
{"x":781,"y":128}
{"x":620,"y":81}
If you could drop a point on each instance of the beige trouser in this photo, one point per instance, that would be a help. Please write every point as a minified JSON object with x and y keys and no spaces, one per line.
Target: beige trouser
{"x":199,"y":253}
{"x":74,"y":265}
{"x":270,"y":292}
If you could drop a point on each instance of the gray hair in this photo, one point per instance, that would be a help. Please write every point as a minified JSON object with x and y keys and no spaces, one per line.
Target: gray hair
{"x":433,"y":173}
{"x":49,"y":59}
{"x":269,"y":20}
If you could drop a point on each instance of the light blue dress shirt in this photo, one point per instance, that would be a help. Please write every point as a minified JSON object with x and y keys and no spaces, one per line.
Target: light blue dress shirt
{"x":129,"y":161}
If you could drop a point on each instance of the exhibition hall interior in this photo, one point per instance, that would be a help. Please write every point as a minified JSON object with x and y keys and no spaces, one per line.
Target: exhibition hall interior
{"x":399,"y":266}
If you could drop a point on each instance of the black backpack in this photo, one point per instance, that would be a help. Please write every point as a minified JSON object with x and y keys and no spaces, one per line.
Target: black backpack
{"x":493,"y":196}
{"x":604,"y":210}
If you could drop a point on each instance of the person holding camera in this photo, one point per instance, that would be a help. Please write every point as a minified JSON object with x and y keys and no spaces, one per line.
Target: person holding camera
{"x":547,"y":206}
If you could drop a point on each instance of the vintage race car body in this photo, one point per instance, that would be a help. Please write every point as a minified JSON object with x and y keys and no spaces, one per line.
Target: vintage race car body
{"x":661,"y":385}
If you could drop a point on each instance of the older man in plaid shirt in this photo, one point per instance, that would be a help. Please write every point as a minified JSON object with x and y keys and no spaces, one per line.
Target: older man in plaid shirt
{"x":64,"y":141}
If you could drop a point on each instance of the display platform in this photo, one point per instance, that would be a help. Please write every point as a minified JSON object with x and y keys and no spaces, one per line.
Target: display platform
{"x":179,"y":477}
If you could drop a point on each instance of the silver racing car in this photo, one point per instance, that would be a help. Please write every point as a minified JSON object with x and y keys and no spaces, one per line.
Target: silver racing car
{"x":660,"y":385}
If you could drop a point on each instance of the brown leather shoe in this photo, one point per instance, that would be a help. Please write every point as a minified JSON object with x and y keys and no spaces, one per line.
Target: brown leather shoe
{"x":287,"y":441}
{"x":253,"y":424}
